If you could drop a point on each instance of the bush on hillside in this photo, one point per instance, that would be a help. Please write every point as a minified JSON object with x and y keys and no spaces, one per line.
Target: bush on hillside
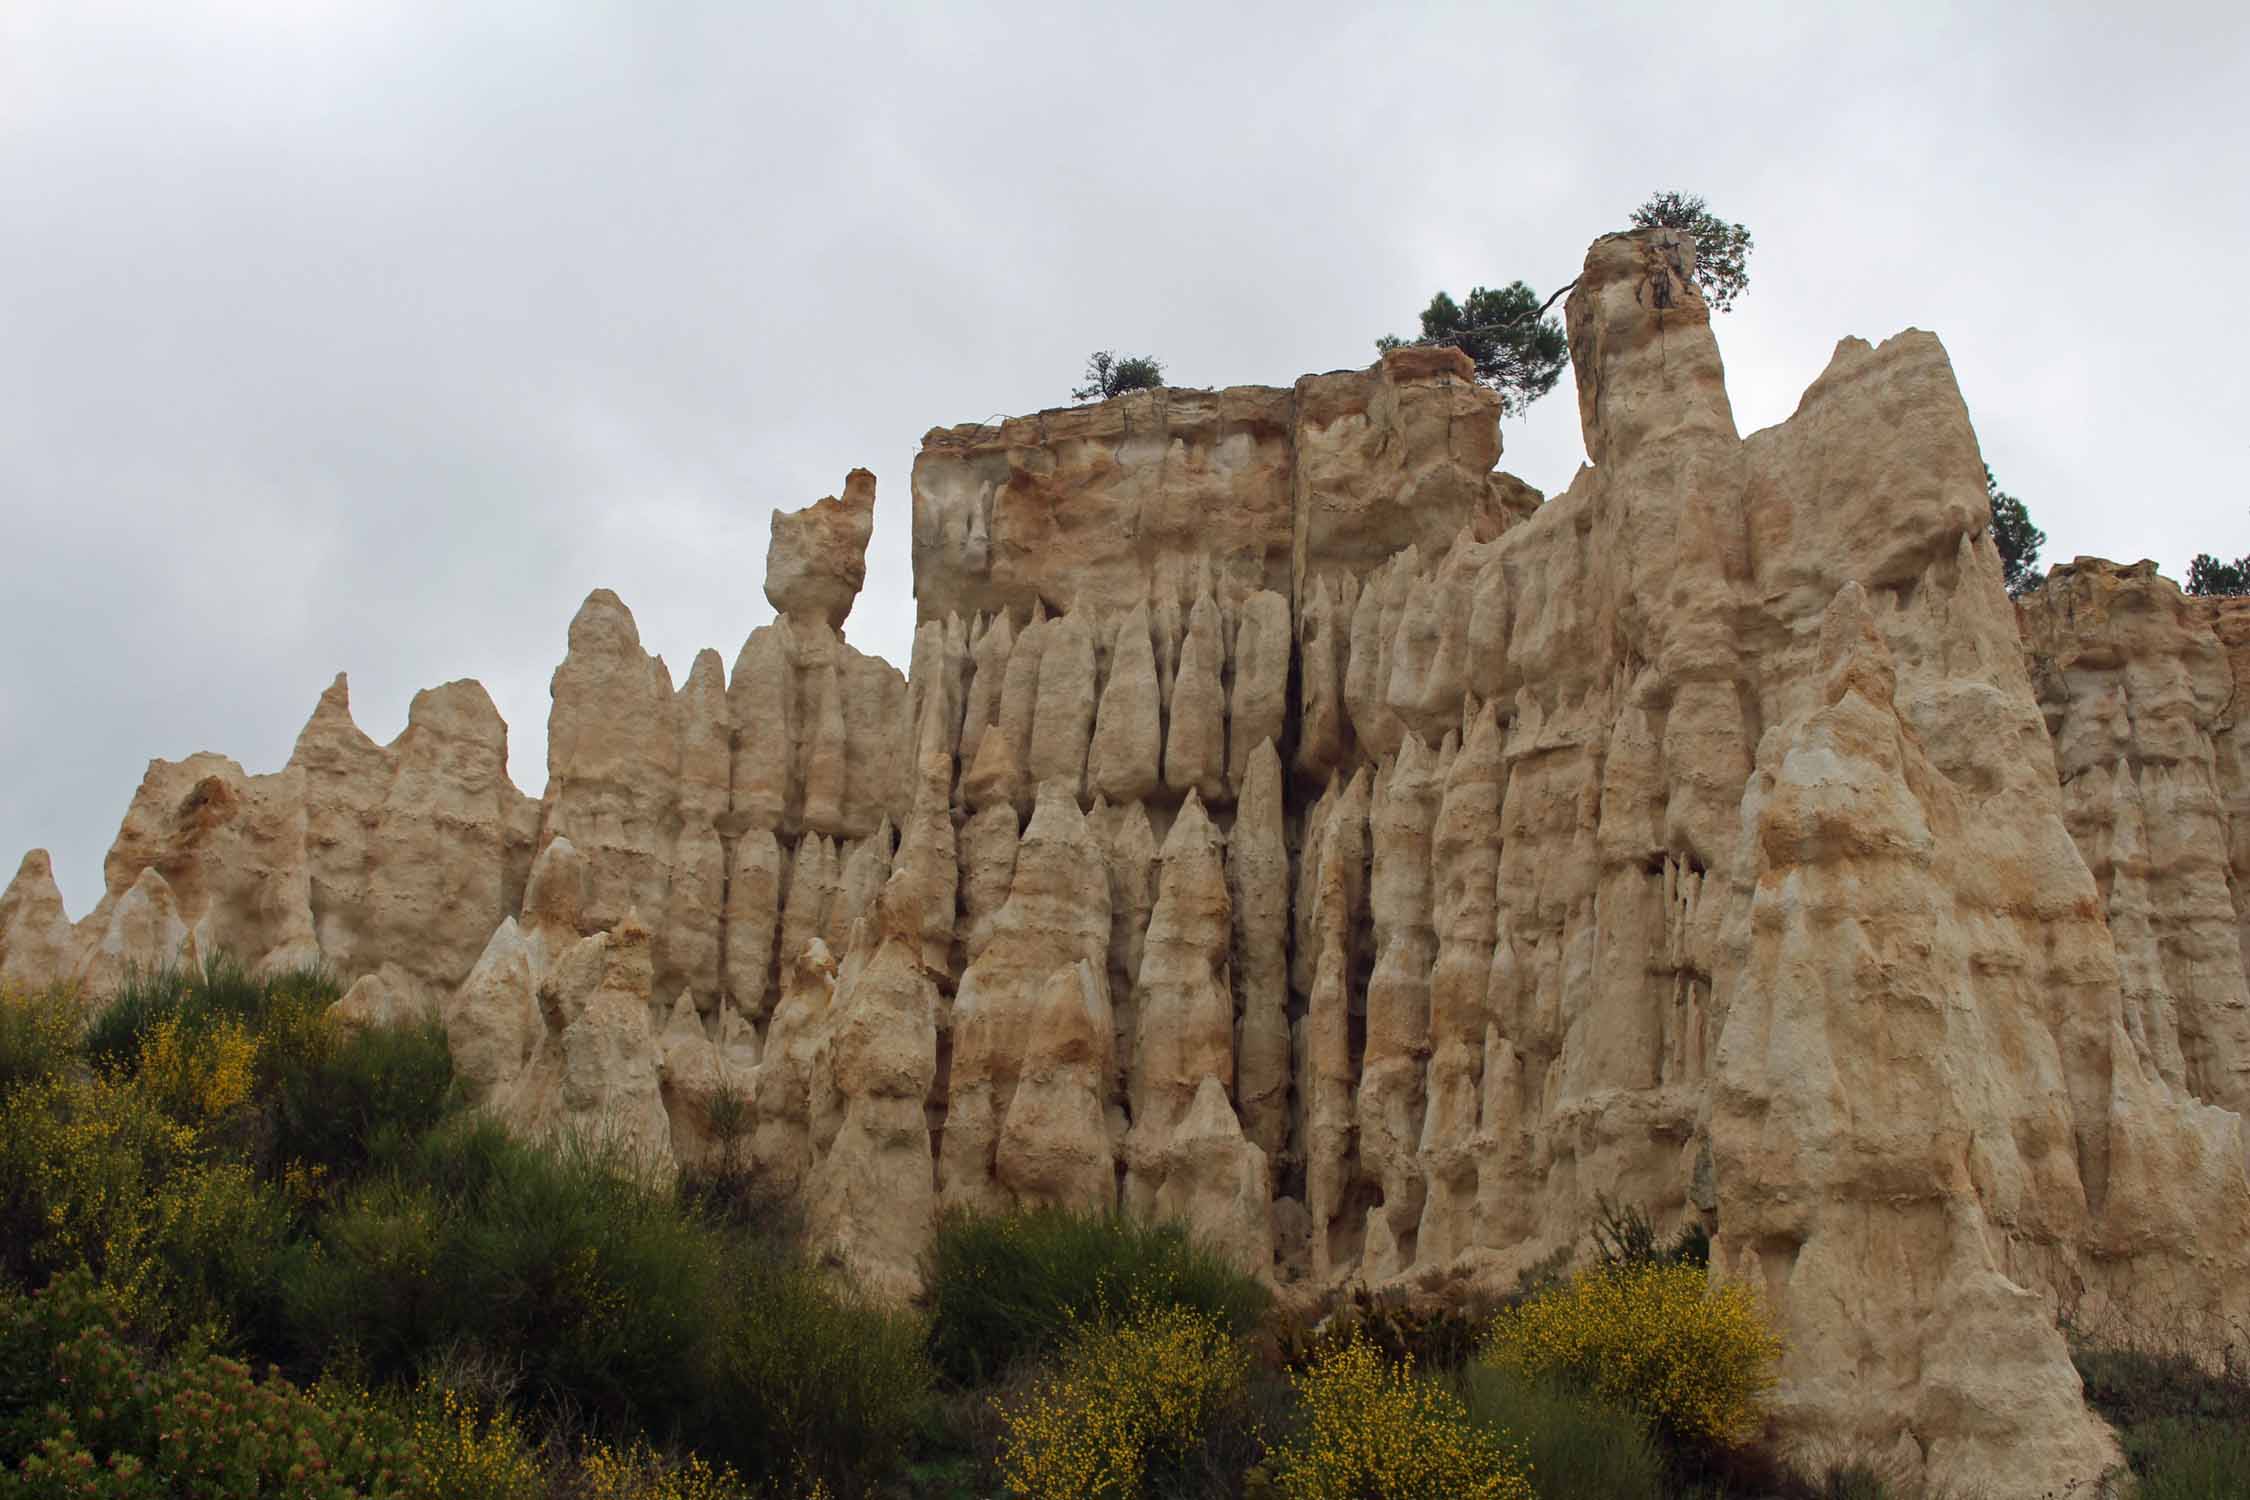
{"x":589,"y":1283}
{"x":107,"y":1419}
{"x":364,"y":1098}
{"x":2184,"y":1425}
{"x":1005,"y":1288}
{"x":1126,"y":1403}
{"x":39,"y":1032}
{"x":1657,"y":1338}
{"x":1625,"y":1236}
{"x":96,"y":1176}
{"x":1577,"y":1446}
{"x":804,"y":1382}
{"x":1431,"y":1336}
{"x":1370,"y":1427}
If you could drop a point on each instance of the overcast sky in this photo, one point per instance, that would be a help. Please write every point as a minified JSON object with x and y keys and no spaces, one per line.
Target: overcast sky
{"x":370,"y":337}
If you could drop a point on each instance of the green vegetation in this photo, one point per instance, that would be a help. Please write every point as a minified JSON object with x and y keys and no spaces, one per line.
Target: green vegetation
{"x":2018,"y":540}
{"x":1579,"y":1447}
{"x":1008,"y":1288}
{"x":247,"y":1252}
{"x":1520,"y":351}
{"x":1517,"y":350}
{"x":2185,"y":1427}
{"x":209,"y":1177}
{"x":1111,"y":374}
{"x":2208,"y":575}
{"x":1722,"y":250}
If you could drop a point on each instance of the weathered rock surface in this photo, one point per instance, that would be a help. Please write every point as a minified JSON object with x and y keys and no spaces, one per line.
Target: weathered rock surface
{"x":817,"y":558}
{"x":1294,"y":826}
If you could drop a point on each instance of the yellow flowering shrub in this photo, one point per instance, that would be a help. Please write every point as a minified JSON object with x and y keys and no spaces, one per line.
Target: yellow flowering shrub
{"x":1372,"y":1431}
{"x":1699,"y":1361}
{"x":38,"y":1033}
{"x":639,"y":1472}
{"x":80,"y":1162}
{"x":470,"y":1454}
{"x":1123,"y":1396}
{"x":198,"y":1074}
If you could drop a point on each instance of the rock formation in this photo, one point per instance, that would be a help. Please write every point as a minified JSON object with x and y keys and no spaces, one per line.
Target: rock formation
{"x":1293,"y":825}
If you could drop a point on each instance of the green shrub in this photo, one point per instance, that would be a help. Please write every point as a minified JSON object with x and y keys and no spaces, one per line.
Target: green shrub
{"x":1854,"y":1481}
{"x":2185,"y":1428}
{"x":594,"y":1286}
{"x":38,"y":1034}
{"x":1579,"y":1447}
{"x":802,"y":1380}
{"x":357,"y":1098}
{"x":1009,"y":1287}
{"x":2180,"y":1458}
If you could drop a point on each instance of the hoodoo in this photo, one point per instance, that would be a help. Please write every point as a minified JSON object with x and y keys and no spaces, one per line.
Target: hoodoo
{"x":1294,"y":824}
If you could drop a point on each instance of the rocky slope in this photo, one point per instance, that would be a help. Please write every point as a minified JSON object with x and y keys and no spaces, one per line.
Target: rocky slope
{"x":1292,"y":824}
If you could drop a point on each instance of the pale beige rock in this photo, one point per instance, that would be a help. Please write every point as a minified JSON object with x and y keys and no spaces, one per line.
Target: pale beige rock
{"x":1259,"y":702}
{"x":1465,"y":902}
{"x":817,"y":557}
{"x":814,"y":878}
{"x":612,"y":760}
{"x":870,"y":1197}
{"x":1129,"y":857}
{"x":1258,"y":886}
{"x":231,"y":853}
{"x":1007,"y":745}
{"x":1215,"y":1180}
{"x":1391,"y":1087}
{"x":1129,"y":730}
{"x":1054,"y":1145}
{"x":492,"y":1022}
{"x":1195,"y":734}
{"x":796,"y":1044}
{"x":1183,"y":1003}
{"x":1063,"y":716}
{"x":761,"y":698}
{"x":35,"y":933}
{"x":2138,"y":693}
{"x":1809,"y":1113}
{"x":753,"y":914}
{"x":1057,"y":916}
{"x":388,"y":997}
{"x":1006,"y":515}
{"x":988,"y":679}
{"x":988,"y":868}
{"x":865,"y":866}
{"x":140,"y":929}
{"x":1322,"y":643}
{"x":1328,"y":1078}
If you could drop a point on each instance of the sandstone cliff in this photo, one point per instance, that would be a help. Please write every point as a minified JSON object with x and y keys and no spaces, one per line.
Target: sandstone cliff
{"x":1292,"y":824}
